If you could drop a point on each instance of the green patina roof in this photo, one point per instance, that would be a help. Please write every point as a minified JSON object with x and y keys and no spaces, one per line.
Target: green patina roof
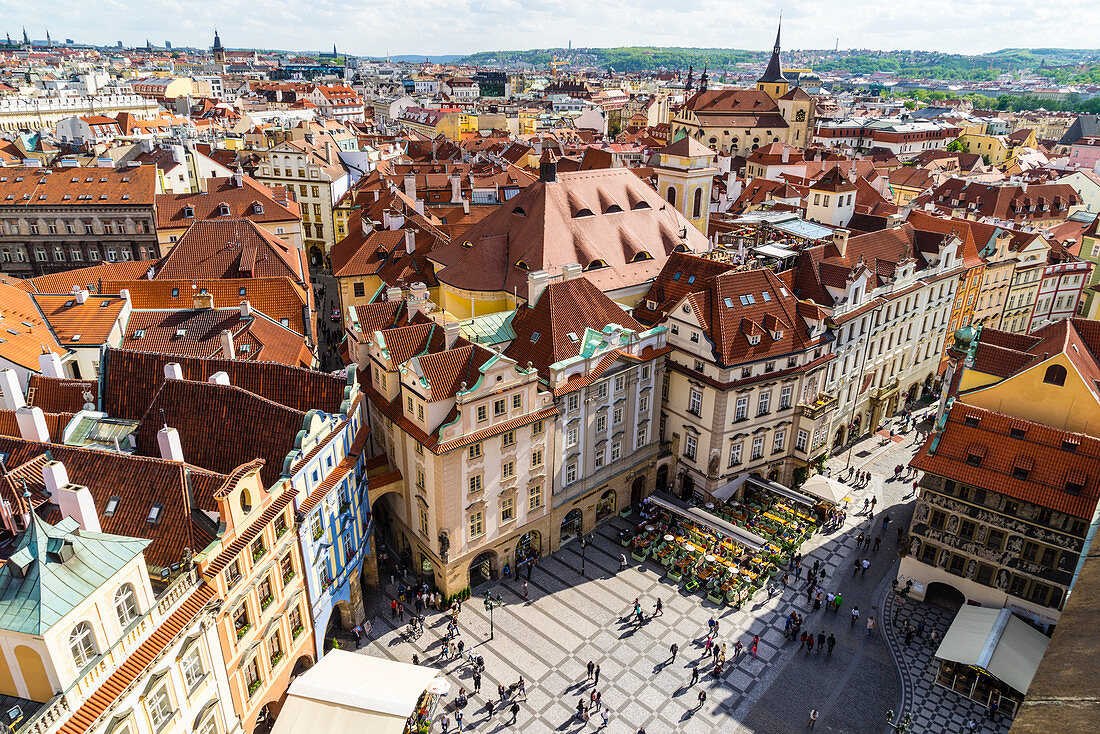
{"x":54,"y":568}
{"x":493,"y":328}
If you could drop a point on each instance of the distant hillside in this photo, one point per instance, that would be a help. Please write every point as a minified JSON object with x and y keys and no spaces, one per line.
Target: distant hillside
{"x":1061,"y":65}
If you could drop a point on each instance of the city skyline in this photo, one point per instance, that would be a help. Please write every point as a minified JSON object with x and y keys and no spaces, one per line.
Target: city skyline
{"x":473,"y":25}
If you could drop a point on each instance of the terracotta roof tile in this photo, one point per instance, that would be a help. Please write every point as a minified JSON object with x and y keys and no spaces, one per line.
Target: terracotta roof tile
{"x":241,"y":200}
{"x":78,"y":187}
{"x":76,"y":323}
{"x":231,"y":248}
{"x":90,"y":277}
{"x":59,"y":395}
{"x":24,"y":334}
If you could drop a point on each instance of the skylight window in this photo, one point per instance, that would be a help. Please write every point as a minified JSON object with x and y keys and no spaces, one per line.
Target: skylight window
{"x":175,"y":293}
{"x":691,"y":279}
{"x":139,"y":333}
{"x":154,"y":513}
{"x":767,"y":296}
{"x":748,"y":300}
{"x":104,"y":304}
{"x":573,"y":337}
{"x":181,"y":332}
{"x":76,"y":337}
{"x":534,"y":336}
{"x":729,"y":302}
{"x":112,"y":506}
{"x":676,"y":275}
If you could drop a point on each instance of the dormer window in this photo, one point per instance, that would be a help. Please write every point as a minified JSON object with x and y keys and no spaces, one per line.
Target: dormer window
{"x":777,"y":335}
{"x":754,"y":339}
{"x":257,"y":208}
{"x":189,"y":212}
{"x":223,"y":210}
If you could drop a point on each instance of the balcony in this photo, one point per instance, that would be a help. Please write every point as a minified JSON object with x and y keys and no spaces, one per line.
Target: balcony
{"x":822,"y":404}
{"x":886,"y":390}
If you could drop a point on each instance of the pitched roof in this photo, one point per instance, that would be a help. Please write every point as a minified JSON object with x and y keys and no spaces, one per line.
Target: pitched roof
{"x":587,"y":217}
{"x":59,"y":395}
{"x":133,"y":379}
{"x":232,"y":248}
{"x":24,"y":333}
{"x":88,"y":278}
{"x":241,"y":200}
{"x":53,"y":569}
{"x":552,"y":329}
{"x":76,"y":323}
{"x":988,"y":438}
{"x":78,"y":187}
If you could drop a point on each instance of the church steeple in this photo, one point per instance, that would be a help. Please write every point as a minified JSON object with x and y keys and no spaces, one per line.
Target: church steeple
{"x":218,"y":49}
{"x":703,"y":80}
{"x":773,"y":83}
{"x":691,"y":77}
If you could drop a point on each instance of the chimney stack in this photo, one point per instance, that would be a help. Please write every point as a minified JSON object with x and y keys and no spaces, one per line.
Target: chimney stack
{"x":548,"y":167}
{"x":452,"y":331}
{"x":570,"y":271}
{"x":32,"y":424}
{"x":410,"y":241}
{"x":54,"y":477}
{"x":171,"y":449}
{"x":465,"y":206}
{"x":537,"y":280}
{"x":246,"y":310}
{"x":410,"y":185}
{"x":74,"y":501}
{"x":456,"y":188}
{"x":49,"y":364}
{"x":203,"y":299}
{"x":393,"y":294}
{"x":840,"y":239}
{"x":229,"y":351}
{"x":81,"y":296}
{"x":219,"y":378}
{"x":173,"y":371}
{"x":785,"y":156}
{"x":13,"y":394}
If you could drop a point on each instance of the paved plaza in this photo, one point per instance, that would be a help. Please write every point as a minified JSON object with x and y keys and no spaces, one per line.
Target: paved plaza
{"x":569,"y":619}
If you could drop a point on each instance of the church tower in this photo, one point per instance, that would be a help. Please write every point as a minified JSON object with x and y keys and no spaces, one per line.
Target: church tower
{"x":685,"y":174}
{"x":219,"y":50}
{"x":773,"y":83}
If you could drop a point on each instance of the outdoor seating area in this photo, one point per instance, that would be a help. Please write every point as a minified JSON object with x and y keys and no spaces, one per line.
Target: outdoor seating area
{"x":688,"y":541}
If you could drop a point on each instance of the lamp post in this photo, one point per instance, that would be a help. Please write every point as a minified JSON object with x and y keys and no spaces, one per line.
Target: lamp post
{"x":903,"y":722}
{"x":584,"y":544}
{"x":490,"y":605}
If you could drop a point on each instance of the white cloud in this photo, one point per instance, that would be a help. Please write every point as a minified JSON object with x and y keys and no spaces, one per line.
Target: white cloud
{"x":463,"y":26}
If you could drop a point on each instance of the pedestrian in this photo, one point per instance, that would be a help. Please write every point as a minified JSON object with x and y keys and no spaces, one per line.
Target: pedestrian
{"x":599,"y":700}
{"x":855,"y":567}
{"x":813,"y":719}
{"x":786,"y":578}
{"x":817,"y":599}
{"x":874,"y":500}
{"x":401,"y":612}
{"x":755,"y":642}
{"x":530,"y":563}
{"x":515,"y":713}
{"x":810,"y":593}
{"x":622,"y":561}
{"x":489,"y":707}
{"x":738,"y":648}
{"x":605,"y":716}
{"x":798,"y":570}
{"x":445,"y":724}
{"x":837,"y":602}
{"x":477,"y":682}
{"x":694,"y":674}
{"x":715,"y":650}
{"x":920,"y":628}
{"x":971,"y":725}
{"x":878,"y":539}
{"x":723,"y":654}
{"x":909,"y":630}
{"x":673,"y":648}
{"x":992,"y":714}
{"x":591,"y":666}
{"x":870,"y":625}
{"x":859,"y":541}
{"x":458,"y":720}
{"x":707,"y":645}
{"x":501,"y":692}
{"x":393,"y":609}
{"x":658,"y":609}
{"x":899,"y":604}
{"x":820,"y":641}
{"x":885,"y":522}
{"x":522,"y":684}
{"x":831,"y":641}
{"x":855,"y":616}
{"x":702,"y":699}
{"x":865,"y":565}
{"x":802,"y":641}
{"x":461,"y":645}
{"x":595,"y":677}
{"x":524,"y":589}
{"x":809,"y":642}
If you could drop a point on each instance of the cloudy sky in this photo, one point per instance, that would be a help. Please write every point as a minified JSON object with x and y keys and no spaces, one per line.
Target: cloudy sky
{"x":464,"y":26}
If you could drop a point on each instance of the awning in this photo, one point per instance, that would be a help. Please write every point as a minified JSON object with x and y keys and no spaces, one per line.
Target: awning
{"x":346,"y":691}
{"x":996,"y":641}
{"x":729,"y":489}
{"x":770,"y":250}
{"x":782,"y":491}
{"x":826,"y":488}
{"x":706,"y":519}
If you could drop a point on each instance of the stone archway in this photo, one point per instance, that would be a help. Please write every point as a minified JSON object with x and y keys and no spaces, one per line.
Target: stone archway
{"x":637,"y":490}
{"x":687,"y":487}
{"x":944,"y":595}
{"x":316,"y":257}
{"x":606,"y":505}
{"x":838,"y":438}
{"x":483,"y":568}
{"x":528,"y":546}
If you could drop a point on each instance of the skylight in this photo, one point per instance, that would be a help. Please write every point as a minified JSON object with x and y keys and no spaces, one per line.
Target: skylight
{"x":534,"y":336}
{"x":181,"y":332}
{"x":767,"y":296}
{"x":112,"y":506}
{"x":139,"y":333}
{"x":76,"y":337}
{"x":154,"y":513}
{"x":676,"y":276}
{"x":729,"y":302}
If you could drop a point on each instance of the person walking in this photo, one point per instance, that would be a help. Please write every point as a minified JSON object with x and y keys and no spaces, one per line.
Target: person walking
{"x":622,"y":561}
{"x":591,"y":666}
{"x":515,"y":713}
{"x":831,"y":642}
{"x":694,"y":674}
{"x":524,"y":589}
{"x":838,"y":602}
{"x":658,"y":609}
{"x":870,"y":625}
{"x":489,"y":707}
{"x":885,"y":523}
{"x":802,"y":641}
{"x":864,"y":565}
{"x":755,"y":642}
{"x":702,"y":699}
{"x":595,"y":676}
{"x":458,"y":720}
{"x":813,"y":719}
{"x":855,"y":616}
{"x":605,"y":716}
{"x":393,"y":609}
{"x":501,"y":692}
{"x":598,"y":700}
{"x":673,"y":648}
{"x":878,"y":540}
{"x":477,"y":681}
{"x":820,"y":641}
{"x":855,"y":567}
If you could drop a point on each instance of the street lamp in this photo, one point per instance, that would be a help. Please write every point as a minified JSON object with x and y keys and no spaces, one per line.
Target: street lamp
{"x":903,"y":723}
{"x":584,"y":544}
{"x":490,"y":605}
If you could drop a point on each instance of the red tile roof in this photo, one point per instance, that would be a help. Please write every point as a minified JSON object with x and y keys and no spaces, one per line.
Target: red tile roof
{"x":241,"y":200}
{"x":60,"y":395}
{"x":948,"y":455}
{"x":75,"y":323}
{"x":77,"y":188}
{"x":232,"y":248}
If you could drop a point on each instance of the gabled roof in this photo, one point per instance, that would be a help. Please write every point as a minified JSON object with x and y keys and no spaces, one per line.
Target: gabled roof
{"x":587,"y":217}
{"x":448,"y":370}
{"x":231,"y":248}
{"x":53,"y":569}
{"x":24,"y":333}
{"x":75,"y":323}
{"x":687,"y":147}
{"x":553,"y":328}
{"x":241,"y":200}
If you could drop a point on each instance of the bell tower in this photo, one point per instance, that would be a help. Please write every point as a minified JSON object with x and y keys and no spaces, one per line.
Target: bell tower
{"x":219,"y":50}
{"x":773,"y":83}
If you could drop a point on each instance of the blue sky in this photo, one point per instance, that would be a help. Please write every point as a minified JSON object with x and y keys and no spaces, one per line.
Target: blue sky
{"x":464,"y":26}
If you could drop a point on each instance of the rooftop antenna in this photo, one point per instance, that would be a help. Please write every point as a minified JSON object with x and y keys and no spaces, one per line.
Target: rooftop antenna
{"x":163,"y":418}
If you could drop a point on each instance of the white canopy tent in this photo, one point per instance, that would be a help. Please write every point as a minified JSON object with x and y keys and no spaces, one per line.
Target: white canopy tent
{"x":996,"y":641}
{"x":345,"y":691}
{"x":826,"y":488}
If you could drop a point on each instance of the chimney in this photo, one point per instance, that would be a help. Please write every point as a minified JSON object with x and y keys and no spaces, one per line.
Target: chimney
{"x":76,"y":502}
{"x":246,"y":310}
{"x":840,"y":239}
{"x":81,"y":296}
{"x":204,"y":299}
{"x":54,"y":477}
{"x":168,"y":439}
{"x":410,"y":241}
{"x":420,"y":207}
{"x":219,"y":378}
{"x":456,"y":188}
{"x":537,"y":280}
{"x":465,"y":206}
{"x":410,"y":185}
{"x":124,"y":294}
{"x":452,"y":331}
{"x":229,"y":351}
{"x":548,"y":167}
{"x":32,"y":424}
{"x":785,"y":156}
{"x":49,"y":364}
{"x":393,"y":294}
{"x":570,"y":271}
{"x":173,"y":371}
{"x":328,"y":151}
{"x":13,"y":394}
